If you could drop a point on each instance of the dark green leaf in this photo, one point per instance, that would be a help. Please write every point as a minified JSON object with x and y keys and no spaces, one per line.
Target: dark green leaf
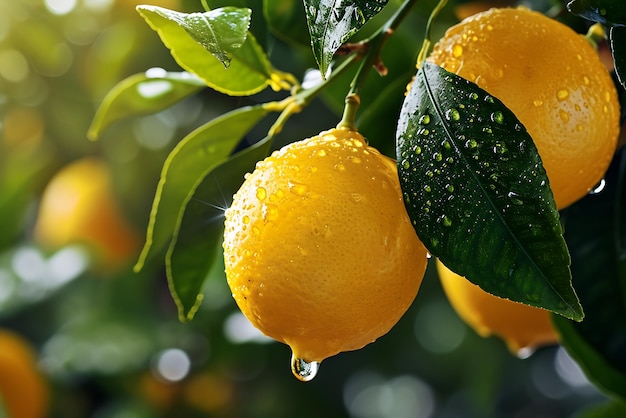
{"x":193,"y":250}
{"x":607,"y":12}
{"x":143,"y":93}
{"x":333,"y":22}
{"x":478,"y":195}
{"x":617,"y":42}
{"x":198,"y":153}
{"x":249,"y":72}
{"x":595,"y":230}
{"x":221,"y":31}
{"x":286,"y":20}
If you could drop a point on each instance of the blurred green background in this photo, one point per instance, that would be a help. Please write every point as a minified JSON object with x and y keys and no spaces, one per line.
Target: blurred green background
{"x":107,"y":340}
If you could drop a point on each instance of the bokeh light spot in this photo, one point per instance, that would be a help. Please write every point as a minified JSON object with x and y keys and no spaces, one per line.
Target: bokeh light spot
{"x":60,"y":7}
{"x":173,"y":364}
{"x":239,"y":330}
{"x":438,"y":329}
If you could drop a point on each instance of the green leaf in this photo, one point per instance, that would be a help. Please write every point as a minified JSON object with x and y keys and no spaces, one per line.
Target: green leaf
{"x":249,"y":71}
{"x":286,"y":20}
{"x":333,"y":22}
{"x":595,"y":230}
{"x":193,"y":250}
{"x":221,"y":31}
{"x":607,"y":12}
{"x":148,"y":92}
{"x":198,"y":153}
{"x":478,"y":195}
{"x":617,"y":43}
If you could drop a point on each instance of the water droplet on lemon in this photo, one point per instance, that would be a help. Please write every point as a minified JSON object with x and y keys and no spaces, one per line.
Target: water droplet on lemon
{"x":303,"y":370}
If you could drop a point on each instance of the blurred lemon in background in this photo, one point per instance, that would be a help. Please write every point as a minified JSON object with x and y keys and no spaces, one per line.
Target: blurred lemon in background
{"x":79,"y":206}
{"x":23,"y":389}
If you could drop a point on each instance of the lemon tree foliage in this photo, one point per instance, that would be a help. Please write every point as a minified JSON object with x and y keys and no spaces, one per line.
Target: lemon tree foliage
{"x":611,"y":13}
{"x":192,"y":159}
{"x":477,"y":192}
{"x":333,"y":22}
{"x":249,"y":70}
{"x":599,"y":269}
{"x":195,"y":243}
{"x":148,"y":92}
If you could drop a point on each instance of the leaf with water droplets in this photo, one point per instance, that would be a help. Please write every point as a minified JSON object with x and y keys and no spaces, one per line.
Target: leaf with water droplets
{"x":595,"y":230}
{"x":198,"y":237}
{"x":249,"y":70}
{"x":333,"y":22}
{"x":221,"y":31}
{"x":478,"y":195}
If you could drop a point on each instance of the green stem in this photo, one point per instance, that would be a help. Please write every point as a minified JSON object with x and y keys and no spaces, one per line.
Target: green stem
{"x":375,"y":44}
{"x":426,"y":45}
{"x":294,"y":104}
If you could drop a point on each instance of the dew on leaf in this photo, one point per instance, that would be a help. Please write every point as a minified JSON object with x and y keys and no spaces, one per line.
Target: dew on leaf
{"x":471,"y":143}
{"x":437,"y":156}
{"x":445,"y":221}
{"x":418,"y":150}
{"x":453,"y":114}
{"x":424,"y":120}
{"x":515,"y":198}
{"x":406,"y":164}
{"x":497,"y":117}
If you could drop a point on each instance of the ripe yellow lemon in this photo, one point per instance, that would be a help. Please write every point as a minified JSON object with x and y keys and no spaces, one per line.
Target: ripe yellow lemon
{"x":24,"y":392}
{"x":320,"y":253}
{"x":522,"y":327}
{"x":552,"y":79}
{"x":79,"y":206}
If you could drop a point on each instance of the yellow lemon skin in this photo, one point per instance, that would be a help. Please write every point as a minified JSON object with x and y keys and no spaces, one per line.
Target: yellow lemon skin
{"x":520,"y":326}
{"x":24,"y":392}
{"x":552,"y":79}
{"x":319,"y":251}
